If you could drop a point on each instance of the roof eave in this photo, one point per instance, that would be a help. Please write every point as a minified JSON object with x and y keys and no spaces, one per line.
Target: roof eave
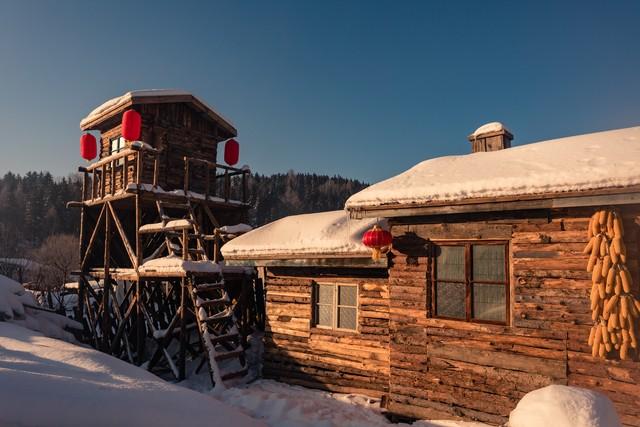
{"x":162,"y":99}
{"x":602,"y":197}
{"x":327,"y":262}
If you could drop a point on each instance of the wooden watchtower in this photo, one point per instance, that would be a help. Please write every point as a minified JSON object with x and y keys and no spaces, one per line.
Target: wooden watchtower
{"x":152,"y":289}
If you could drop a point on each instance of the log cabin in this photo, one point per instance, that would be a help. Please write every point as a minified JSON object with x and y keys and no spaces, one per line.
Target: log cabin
{"x":488,"y":289}
{"x":340,"y":342}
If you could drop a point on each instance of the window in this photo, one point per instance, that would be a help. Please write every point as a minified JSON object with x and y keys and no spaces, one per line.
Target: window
{"x":335,"y":306}
{"x":470,"y":282}
{"x":116,"y":145}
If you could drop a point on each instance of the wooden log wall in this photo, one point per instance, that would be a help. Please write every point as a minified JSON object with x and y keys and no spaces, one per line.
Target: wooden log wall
{"x":177,"y":130}
{"x":339,"y":361}
{"x":452,"y":369}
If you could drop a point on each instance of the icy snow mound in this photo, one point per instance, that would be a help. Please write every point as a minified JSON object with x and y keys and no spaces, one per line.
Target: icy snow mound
{"x":578,"y":163}
{"x":563,"y":406}
{"x":16,"y":306}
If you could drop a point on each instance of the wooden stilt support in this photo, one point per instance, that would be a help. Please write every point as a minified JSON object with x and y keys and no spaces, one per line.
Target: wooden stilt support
{"x":106,"y":289}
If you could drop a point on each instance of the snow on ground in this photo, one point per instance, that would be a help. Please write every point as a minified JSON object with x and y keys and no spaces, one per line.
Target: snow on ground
{"x":236,"y":229}
{"x":48,"y":382}
{"x":20,"y":307}
{"x":282,"y":405}
{"x":583,"y":162}
{"x":301,"y":236}
{"x":563,"y":406}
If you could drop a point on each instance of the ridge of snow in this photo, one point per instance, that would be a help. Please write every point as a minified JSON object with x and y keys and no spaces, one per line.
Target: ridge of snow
{"x":172,"y":263}
{"x":118,"y":101}
{"x":489,"y":128}
{"x":19,"y":306}
{"x":297,"y":236}
{"x":584,"y":162}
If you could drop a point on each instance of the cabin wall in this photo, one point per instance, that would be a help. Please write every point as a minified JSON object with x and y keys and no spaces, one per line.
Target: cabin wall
{"x":178,"y":131}
{"x":298,"y":353}
{"x":450,"y":369}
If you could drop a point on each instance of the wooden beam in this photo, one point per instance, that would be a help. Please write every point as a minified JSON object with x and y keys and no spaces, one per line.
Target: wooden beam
{"x":92,"y":239}
{"x":123,"y":236}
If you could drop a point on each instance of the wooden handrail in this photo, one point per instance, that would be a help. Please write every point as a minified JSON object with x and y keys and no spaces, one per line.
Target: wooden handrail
{"x":107,"y":166}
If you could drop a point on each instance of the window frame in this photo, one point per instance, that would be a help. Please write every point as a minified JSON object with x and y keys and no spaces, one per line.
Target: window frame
{"x":122,"y":145}
{"x":335,"y":306}
{"x":468,"y":281}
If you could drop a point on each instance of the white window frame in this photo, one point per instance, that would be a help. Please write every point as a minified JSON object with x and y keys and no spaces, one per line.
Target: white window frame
{"x":120,"y":144}
{"x":334,"y":305}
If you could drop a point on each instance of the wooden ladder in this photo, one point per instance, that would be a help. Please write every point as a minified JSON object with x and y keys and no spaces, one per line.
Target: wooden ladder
{"x":173,"y":229}
{"x":218,"y":331}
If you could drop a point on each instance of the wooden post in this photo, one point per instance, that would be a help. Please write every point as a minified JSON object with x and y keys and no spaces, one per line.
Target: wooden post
{"x":227,"y":185}
{"x":216,"y":245}
{"x":93,"y":185}
{"x":139,"y":319}
{"x":207,"y":182}
{"x":183,"y":328}
{"x":156,"y":170}
{"x":183,"y":297}
{"x":186,"y":175}
{"x":103,"y":181}
{"x":113,"y":177}
{"x":106,"y":289}
{"x":125,"y":172}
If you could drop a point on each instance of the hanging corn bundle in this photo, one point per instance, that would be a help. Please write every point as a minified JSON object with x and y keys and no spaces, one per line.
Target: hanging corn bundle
{"x":614,"y":309}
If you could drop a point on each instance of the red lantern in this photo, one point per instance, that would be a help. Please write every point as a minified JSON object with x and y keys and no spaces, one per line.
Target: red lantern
{"x":378,"y":240}
{"x":88,"y":147}
{"x":231,"y":152}
{"x":131,"y":125}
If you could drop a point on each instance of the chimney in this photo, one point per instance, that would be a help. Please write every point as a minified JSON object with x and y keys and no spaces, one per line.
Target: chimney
{"x":493,"y":136}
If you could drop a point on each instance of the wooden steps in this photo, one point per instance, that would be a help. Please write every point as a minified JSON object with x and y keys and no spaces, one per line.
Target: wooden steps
{"x":218,"y":331}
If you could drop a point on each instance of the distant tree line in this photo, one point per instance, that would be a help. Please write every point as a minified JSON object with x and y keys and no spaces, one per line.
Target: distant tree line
{"x":33,"y":206}
{"x":279,"y":195}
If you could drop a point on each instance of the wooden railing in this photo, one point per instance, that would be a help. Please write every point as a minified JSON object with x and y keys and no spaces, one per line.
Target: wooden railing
{"x":128,"y":170}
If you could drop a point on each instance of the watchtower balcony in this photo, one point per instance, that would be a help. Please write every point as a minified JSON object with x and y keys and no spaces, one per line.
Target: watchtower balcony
{"x":139,"y":168}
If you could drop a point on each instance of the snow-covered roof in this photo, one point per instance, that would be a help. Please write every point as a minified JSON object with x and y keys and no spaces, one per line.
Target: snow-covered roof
{"x":489,"y":128}
{"x":315,"y":235}
{"x":593,"y":161}
{"x":138,"y":96}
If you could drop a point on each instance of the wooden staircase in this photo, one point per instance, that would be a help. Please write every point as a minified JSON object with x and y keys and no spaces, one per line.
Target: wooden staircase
{"x":218,"y":331}
{"x":210,"y":304}
{"x":179,"y":231}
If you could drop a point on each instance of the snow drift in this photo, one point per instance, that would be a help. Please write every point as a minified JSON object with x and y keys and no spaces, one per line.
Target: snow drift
{"x":563,"y":406}
{"x":20,"y":307}
{"x":48,"y":382}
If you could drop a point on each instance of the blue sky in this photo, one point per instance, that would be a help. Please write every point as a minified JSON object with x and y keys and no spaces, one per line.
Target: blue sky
{"x":361,"y":89}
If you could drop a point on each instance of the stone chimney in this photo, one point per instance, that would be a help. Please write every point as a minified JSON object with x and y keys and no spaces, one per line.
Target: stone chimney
{"x":493,"y":136}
